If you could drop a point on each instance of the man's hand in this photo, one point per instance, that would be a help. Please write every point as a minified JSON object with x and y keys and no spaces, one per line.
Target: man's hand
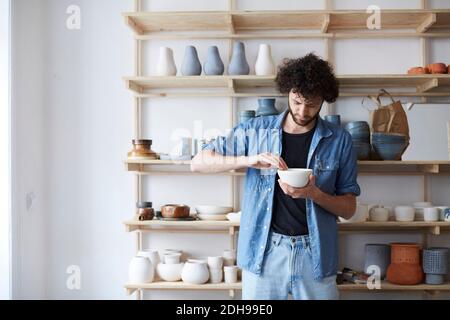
{"x":267,"y":160}
{"x":308,"y":192}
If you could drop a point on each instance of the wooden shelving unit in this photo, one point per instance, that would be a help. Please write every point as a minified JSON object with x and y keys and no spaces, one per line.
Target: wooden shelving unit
{"x":431,"y":85}
{"x":234,"y":25}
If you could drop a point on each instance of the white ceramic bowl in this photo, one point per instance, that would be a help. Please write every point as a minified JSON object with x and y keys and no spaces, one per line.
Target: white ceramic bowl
{"x":234,"y":216}
{"x":213,"y":217}
{"x":379,"y":214}
{"x":297,"y":178}
{"x":404,"y":213}
{"x":212,"y":210}
{"x":361,"y":214}
{"x":170,"y":272}
{"x":195,"y":273}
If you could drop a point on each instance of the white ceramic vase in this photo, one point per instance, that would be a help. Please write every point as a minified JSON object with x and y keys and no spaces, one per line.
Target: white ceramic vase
{"x":195,"y":273}
{"x":153,"y":255}
{"x":140,"y":270}
{"x":264,"y":63}
{"x":166,"y":63}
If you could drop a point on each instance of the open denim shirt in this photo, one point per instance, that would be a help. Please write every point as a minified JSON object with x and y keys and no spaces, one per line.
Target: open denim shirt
{"x":334,"y":165}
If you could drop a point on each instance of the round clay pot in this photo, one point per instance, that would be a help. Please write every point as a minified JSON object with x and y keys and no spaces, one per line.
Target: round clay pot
{"x":175,"y":211}
{"x":437,"y":68}
{"x":418,"y":70}
{"x":406,"y":266}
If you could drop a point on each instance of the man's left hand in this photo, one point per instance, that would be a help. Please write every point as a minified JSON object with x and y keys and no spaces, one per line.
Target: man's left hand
{"x":307,"y":192}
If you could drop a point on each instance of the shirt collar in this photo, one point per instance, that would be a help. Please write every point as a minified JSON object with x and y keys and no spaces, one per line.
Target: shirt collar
{"x":322,"y":129}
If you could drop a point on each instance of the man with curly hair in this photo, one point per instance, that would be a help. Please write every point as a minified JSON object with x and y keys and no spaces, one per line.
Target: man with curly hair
{"x":288,"y":239}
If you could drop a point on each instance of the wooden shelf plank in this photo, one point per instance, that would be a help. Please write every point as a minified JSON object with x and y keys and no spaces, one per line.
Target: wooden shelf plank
{"x":151,"y":22}
{"x":179,"y":285}
{"x":242,"y":85}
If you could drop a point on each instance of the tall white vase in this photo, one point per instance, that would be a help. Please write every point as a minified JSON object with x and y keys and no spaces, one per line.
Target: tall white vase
{"x":264,"y":63}
{"x":166,"y":63}
{"x":140,"y":270}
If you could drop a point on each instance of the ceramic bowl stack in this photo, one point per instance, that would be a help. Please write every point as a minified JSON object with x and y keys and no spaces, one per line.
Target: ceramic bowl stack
{"x":213,"y":213}
{"x":389,"y":146}
{"x":435,"y":265}
{"x":360,"y":132}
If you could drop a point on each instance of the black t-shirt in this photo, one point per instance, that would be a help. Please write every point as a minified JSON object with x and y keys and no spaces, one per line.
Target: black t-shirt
{"x":289,"y":214}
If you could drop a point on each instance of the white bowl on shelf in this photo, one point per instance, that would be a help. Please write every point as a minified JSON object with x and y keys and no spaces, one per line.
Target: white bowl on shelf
{"x":170,"y":272}
{"x":297,"y":178}
{"x":379,"y":214}
{"x":419,"y":206}
{"x":431,"y":214}
{"x":213,"y":210}
{"x":361,"y":214}
{"x":234,"y":216}
{"x":212,"y":217}
{"x":404,"y":213}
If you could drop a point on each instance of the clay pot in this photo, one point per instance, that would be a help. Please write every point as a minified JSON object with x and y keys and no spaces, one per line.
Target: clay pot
{"x":175,"y":211}
{"x":406,"y":265}
{"x":418,"y":70}
{"x":437,"y":68}
{"x":141,"y":150}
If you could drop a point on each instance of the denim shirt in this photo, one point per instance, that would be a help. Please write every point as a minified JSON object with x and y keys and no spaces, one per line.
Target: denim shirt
{"x":334,"y":165}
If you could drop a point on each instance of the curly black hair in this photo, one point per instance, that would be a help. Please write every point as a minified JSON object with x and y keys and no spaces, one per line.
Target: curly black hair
{"x":309,"y":76}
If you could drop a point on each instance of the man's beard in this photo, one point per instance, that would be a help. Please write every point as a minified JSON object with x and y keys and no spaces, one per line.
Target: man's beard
{"x":306,"y":122}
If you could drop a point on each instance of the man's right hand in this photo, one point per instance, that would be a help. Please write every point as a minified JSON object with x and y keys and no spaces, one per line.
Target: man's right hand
{"x":266,"y":161}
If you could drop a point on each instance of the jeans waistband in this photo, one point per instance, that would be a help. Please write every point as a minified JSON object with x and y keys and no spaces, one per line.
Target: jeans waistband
{"x":302,"y":240}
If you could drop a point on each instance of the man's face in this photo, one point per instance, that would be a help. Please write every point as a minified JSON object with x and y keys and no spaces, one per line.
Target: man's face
{"x":304,"y":111}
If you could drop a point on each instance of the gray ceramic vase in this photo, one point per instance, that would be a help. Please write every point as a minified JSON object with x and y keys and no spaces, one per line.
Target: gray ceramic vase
{"x":238,"y":64}
{"x":266,"y":107}
{"x":378,"y":255}
{"x":213,"y":65}
{"x":191,"y":64}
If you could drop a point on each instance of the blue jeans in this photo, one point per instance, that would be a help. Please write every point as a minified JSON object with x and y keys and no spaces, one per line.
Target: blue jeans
{"x":287,"y":268}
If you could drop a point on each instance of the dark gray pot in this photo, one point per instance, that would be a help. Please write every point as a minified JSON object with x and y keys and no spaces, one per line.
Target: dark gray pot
{"x":379,"y":255}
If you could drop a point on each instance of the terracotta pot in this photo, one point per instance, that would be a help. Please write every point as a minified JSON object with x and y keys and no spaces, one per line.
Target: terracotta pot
{"x":175,"y":211}
{"x":437,"y":68}
{"x":418,"y":70}
{"x":142,"y":150}
{"x":406,"y":264}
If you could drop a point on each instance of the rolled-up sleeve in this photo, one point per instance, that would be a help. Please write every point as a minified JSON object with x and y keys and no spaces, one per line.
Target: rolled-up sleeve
{"x":348,"y":169}
{"x":235,"y":143}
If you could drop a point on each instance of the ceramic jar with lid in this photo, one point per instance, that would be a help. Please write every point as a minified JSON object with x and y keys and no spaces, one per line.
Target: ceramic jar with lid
{"x":142,"y":150}
{"x":406,"y":266}
{"x":145,"y":211}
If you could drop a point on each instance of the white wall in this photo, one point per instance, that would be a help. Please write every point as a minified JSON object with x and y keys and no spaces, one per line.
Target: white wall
{"x":5,"y":176}
{"x":74,"y":125}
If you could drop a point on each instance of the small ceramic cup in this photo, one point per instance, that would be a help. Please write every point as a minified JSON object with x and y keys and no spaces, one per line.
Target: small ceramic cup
{"x":431,"y":214}
{"x":215,"y":275}
{"x":172,"y":258}
{"x":231,"y":274}
{"x":229,"y":257}
{"x":442,"y":210}
{"x":215,"y":262}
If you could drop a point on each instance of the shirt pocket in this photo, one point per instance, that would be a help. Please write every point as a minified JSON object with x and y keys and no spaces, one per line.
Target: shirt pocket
{"x":325,"y":171}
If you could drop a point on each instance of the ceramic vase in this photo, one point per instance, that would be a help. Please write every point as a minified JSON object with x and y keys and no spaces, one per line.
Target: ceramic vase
{"x":191,"y":64}
{"x":213,"y":65}
{"x":166,"y":64}
{"x":435,"y":265}
{"x":264,"y":63}
{"x":238,"y":64}
{"x":405,"y":267}
{"x":266,"y":107}
{"x":140,"y":270}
